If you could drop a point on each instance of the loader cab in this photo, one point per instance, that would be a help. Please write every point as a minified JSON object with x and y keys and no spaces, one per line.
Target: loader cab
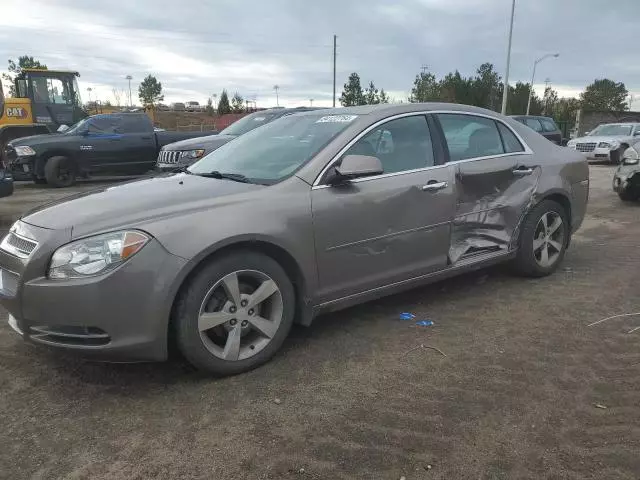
{"x":54,"y":94}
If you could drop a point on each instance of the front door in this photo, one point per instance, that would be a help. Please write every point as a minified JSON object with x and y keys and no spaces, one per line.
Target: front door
{"x":379,"y":230}
{"x":494,"y":184}
{"x":101,"y":145}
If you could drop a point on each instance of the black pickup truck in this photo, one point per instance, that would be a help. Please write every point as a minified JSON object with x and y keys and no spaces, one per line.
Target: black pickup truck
{"x":112,"y":144}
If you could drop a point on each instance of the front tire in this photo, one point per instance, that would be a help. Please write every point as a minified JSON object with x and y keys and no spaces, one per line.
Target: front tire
{"x":627,"y":196}
{"x":235,"y":313}
{"x":543,"y":240}
{"x":60,"y":172}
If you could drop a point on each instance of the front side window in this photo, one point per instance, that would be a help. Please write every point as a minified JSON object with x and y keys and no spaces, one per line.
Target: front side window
{"x":401,"y":144}
{"x":469,"y":136}
{"x":275,"y":151}
{"x":104,"y":126}
{"x":533,"y":123}
{"x":548,"y":125}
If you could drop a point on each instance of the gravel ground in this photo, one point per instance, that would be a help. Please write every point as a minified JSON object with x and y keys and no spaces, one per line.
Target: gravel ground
{"x":526,"y":389}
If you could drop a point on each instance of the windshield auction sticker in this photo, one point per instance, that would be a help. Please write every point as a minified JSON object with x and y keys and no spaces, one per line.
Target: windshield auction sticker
{"x":337,"y":119}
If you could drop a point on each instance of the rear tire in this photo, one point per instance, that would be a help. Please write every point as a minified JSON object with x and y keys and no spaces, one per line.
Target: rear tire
{"x":543,"y":240}
{"x":39,"y":181}
{"x":60,"y":172}
{"x":207,"y":343}
{"x":627,"y":196}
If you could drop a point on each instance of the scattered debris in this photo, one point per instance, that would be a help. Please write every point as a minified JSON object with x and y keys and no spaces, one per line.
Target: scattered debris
{"x":301,"y":470}
{"x":424,"y":323}
{"x":403,"y":478}
{"x":407,"y":316}
{"x":428,"y":467}
{"x":422,"y":345}
{"x":277,"y":401}
{"x":633,"y":330}
{"x":598,"y":405}
{"x":614,"y":316}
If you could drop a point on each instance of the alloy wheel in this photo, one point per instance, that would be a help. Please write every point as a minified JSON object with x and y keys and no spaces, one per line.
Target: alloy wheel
{"x":548,"y":239}
{"x":240,"y":315}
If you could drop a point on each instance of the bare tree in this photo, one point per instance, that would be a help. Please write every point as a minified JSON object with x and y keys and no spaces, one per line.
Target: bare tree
{"x":117,"y":94}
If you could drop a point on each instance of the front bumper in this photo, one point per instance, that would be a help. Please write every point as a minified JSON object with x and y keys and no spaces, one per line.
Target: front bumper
{"x":23,"y":168}
{"x":120,"y":316}
{"x":598,"y":155}
{"x":626,"y":179}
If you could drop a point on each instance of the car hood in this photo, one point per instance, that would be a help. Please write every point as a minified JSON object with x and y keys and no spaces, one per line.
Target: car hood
{"x":135,"y":203}
{"x":601,"y":138}
{"x":208,"y":143}
{"x":35,"y":139}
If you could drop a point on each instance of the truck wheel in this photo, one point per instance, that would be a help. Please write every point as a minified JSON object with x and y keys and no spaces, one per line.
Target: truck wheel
{"x":543,"y":240}
{"x":39,"y":181}
{"x":235,"y":313}
{"x":627,"y":196}
{"x":60,"y":172}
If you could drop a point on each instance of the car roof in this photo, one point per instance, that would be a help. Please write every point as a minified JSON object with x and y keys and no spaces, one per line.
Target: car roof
{"x":531,"y":116}
{"x":399,"y":108}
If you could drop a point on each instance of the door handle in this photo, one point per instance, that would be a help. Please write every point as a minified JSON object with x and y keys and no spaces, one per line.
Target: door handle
{"x":434,"y":186}
{"x":146,"y":138}
{"x":522,"y":171}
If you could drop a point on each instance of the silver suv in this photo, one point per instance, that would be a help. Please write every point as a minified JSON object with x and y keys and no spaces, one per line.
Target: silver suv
{"x":307,"y":214}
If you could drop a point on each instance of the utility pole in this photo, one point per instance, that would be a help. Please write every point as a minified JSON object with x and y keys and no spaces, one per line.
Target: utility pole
{"x":311,"y":102}
{"x":335,"y":41}
{"x":505,"y":90}
{"x":424,"y":68}
{"x":276,"y":88}
{"x":533,"y":75}
{"x":129,"y":78}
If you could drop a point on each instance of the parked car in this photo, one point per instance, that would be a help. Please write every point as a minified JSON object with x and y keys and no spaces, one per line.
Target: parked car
{"x":545,"y":126}
{"x":607,"y":142}
{"x":192,"y":107}
{"x":116,"y":143}
{"x":184,"y":153}
{"x":626,"y":180}
{"x":178,"y":107}
{"x":308,"y":214}
{"x":6,"y":182}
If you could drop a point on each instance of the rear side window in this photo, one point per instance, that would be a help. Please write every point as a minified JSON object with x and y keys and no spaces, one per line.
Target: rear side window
{"x":533,"y":123}
{"x":548,"y":125}
{"x":511,"y":142}
{"x":469,"y":136}
{"x":135,"y":124}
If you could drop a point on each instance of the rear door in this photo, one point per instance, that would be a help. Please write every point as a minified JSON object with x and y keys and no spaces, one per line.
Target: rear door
{"x":387,"y":228}
{"x":495,"y":178}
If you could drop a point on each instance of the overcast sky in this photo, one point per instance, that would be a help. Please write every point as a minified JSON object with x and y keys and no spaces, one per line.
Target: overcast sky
{"x":198,"y":47}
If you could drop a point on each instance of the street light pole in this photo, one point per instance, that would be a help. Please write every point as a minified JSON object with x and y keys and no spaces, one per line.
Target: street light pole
{"x":276,"y":88}
{"x":533,"y":75}
{"x":505,"y":90}
{"x":129,"y":77}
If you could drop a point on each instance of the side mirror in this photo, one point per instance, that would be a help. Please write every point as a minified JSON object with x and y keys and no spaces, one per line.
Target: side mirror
{"x":62,"y":128}
{"x":637,"y":133}
{"x":357,"y":166}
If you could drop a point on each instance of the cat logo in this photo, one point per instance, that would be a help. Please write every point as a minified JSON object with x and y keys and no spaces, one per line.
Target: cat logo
{"x":16,"y":112}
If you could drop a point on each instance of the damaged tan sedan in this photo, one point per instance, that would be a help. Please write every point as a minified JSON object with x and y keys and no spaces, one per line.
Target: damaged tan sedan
{"x":310,"y":213}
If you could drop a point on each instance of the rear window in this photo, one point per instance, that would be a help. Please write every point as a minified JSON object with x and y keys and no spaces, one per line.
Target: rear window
{"x":548,"y":125}
{"x":510,"y":141}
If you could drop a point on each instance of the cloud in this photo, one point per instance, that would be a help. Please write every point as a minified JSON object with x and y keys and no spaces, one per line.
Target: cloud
{"x":197,"y":48}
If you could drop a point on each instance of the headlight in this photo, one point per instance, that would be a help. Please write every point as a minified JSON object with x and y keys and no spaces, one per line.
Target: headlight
{"x":612,"y":145}
{"x":192,"y":154}
{"x":571,"y":144}
{"x":95,"y":255}
{"x":24,"y":151}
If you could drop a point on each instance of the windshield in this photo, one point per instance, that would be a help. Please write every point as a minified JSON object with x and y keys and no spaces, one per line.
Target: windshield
{"x":248,"y":123}
{"x":79,"y":127}
{"x":275,"y":151}
{"x":612,"y":130}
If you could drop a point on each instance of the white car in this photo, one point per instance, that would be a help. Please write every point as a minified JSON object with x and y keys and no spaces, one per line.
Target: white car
{"x":607,"y":142}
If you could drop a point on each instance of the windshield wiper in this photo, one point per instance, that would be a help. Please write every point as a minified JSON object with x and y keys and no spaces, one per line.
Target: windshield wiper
{"x":236,"y":177}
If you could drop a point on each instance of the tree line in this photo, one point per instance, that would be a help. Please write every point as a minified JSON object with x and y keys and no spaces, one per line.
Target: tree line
{"x":485,"y":88}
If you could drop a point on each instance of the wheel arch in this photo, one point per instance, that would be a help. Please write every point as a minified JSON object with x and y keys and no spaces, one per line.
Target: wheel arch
{"x":55,"y":152}
{"x":266,"y":246}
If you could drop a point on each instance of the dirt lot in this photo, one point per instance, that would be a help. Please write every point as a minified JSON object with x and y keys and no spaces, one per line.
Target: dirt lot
{"x":514,"y":398}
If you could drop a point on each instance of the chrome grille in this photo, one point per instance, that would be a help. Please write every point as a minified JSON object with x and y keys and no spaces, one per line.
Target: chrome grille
{"x":585,"y":147}
{"x":169,"y":156}
{"x":17,"y":245}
